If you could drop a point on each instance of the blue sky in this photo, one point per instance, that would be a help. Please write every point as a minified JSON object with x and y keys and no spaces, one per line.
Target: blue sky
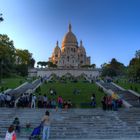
{"x":109,"y":28}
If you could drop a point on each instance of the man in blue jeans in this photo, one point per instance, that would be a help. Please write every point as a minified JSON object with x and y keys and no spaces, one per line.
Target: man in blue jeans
{"x":46,"y":126}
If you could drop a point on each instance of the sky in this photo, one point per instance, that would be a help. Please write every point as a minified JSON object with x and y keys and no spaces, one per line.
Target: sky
{"x":108,"y":28}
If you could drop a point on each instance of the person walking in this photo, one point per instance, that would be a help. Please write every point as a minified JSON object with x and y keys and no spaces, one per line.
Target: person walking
{"x":60,"y":102}
{"x":46,"y":126}
{"x":93,"y":100}
{"x":10,"y":134}
{"x":33,"y":103}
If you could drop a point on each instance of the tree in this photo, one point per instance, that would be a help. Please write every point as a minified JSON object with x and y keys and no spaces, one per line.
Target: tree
{"x":134,"y":67}
{"x":32,"y":62}
{"x":137,"y":54}
{"x":23,"y":56}
{"x":7,"y":55}
{"x":23,"y":61}
{"x":51,"y":65}
{"x":39,"y":63}
{"x":85,"y":66}
{"x":22,"y":69}
{"x":114,"y":68}
{"x":107,"y":70}
{"x":93,"y":66}
{"x":13,"y":60}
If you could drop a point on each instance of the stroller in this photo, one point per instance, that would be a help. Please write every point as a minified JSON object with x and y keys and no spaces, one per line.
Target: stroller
{"x":35,"y":135}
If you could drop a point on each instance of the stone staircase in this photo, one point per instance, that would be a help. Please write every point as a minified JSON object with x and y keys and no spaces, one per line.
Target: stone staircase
{"x":17,"y":92}
{"x":77,"y":123}
{"x":124,"y":94}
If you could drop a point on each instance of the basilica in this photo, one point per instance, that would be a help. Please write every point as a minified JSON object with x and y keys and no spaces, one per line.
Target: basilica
{"x":70,"y":59}
{"x":70,"y":55}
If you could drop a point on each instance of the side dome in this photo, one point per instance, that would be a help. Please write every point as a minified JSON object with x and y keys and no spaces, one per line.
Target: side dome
{"x":57,"y":49}
{"x":81,"y":49}
{"x":69,"y":38}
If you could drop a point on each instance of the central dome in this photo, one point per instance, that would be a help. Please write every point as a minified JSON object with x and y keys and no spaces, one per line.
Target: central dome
{"x":69,"y":38}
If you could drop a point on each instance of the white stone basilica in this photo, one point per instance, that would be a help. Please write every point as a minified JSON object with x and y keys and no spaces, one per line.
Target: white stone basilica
{"x":70,"y":55}
{"x":69,"y":60}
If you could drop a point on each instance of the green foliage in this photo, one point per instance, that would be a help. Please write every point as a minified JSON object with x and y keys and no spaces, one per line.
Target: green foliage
{"x":38,"y":90}
{"x":13,"y":60}
{"x":137,"y":54}
{"x":136,"y":89}
{"x":32,"y":63}
{"x":131,"y":87}
{"x":125,"y":83}
{"x":44,"y":64}
{"x":114,"y":68}
{"x":24,"y":57}
{"x":7,"y":56}
{"x":66,"y":91}
{"x":100,"y":89}
{"x":134,"y":68}
{"x":85,"y":66}
{"x":12,"y":82}
{"x":2,"y":89}
{"x":51,"y":65}
{"x":89,"y":66}
{"x":22,"y":69}
{"x":20,"y":82}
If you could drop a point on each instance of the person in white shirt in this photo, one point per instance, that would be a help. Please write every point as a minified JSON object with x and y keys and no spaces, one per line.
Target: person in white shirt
{"x":33,"y":103}
{"x":10,"y":134}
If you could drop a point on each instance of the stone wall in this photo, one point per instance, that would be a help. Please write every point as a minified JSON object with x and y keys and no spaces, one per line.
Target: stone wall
{"x":90,"y":73}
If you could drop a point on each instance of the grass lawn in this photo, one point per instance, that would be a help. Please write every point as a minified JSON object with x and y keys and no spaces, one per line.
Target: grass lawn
{"x":127,"y":85}
{"x":13,"y":82}
{"x":66,"y":91}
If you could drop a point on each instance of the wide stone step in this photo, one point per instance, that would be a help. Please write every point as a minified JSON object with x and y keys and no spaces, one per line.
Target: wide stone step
{"x":77,"y":123}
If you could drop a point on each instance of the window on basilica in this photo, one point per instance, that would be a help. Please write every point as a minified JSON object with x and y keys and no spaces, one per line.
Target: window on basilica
{"x":68,"y":58}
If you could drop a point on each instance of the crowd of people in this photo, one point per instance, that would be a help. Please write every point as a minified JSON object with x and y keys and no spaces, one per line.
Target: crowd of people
{"x":111,"y":102}
{"x":6,"y":100}
{"x":14,"y":129}
{"x":42,"y":101}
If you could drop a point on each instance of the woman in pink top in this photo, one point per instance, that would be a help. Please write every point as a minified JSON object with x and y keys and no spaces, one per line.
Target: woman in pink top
{"x":60,"y":102}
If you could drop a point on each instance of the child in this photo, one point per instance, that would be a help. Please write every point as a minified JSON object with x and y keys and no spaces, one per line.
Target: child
{"x":16,"y":124}
{"x":10,"y":134}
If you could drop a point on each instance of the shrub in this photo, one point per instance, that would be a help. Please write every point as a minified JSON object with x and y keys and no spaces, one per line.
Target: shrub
{"x":2,"y":88}
{"x":20,"y":82}
{"x":38,"y":89}
{"x":136,"y":89}
{"x":131,"y":87}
